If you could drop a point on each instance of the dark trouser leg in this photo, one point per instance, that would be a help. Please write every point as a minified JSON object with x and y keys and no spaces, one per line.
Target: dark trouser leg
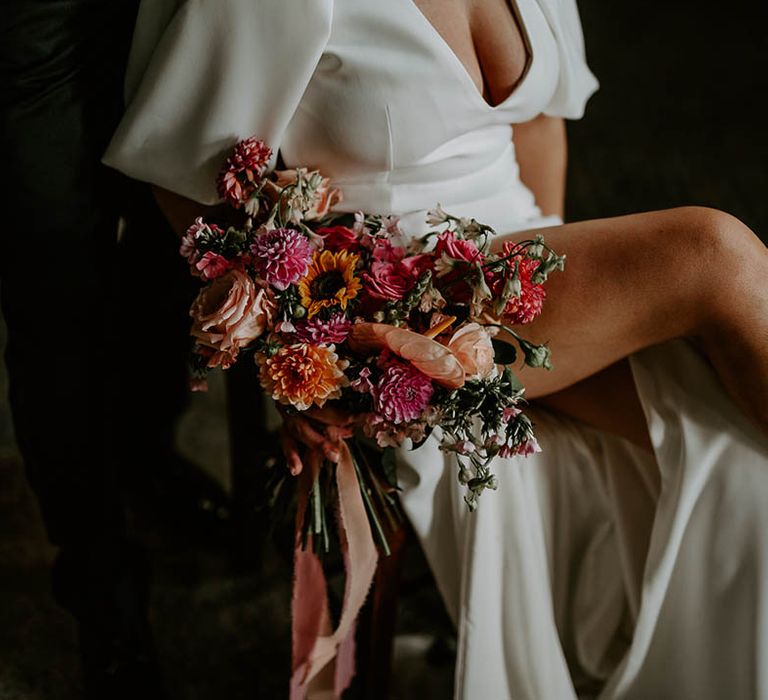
{"x":61,"y":67}
{"x":154,"y":293}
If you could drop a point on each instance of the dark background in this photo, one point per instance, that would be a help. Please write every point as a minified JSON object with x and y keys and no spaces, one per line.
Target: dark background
{"x":680,"y":114}
{"x":678,"y":120}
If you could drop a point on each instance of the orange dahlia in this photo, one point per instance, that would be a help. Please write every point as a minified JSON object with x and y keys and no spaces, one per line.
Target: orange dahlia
{"x":330,"y":281}
{"x":303,"y":375}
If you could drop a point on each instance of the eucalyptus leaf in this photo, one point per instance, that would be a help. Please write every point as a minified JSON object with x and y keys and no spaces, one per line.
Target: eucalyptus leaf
{"x":512,"y":379}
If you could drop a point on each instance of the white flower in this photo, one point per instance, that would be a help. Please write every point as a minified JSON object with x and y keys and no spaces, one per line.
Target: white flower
{"x":480,"y":293}
{"x":392,"y":225}
{"x":469,"y":228}
{"x":252,"y":206}
{"x":443,"y":265}
{"x":437,"y":216}
{"x":359,"y":226}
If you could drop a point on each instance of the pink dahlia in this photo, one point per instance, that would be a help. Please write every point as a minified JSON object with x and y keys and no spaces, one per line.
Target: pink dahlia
{"x":402,"y":393}
{"x":317,"y":331}
{"x":282,"y":256}
{"x":239,"y":177}
{"x":526,"y":307}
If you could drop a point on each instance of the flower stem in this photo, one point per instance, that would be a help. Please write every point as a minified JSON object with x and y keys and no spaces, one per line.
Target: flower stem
{"x":371,"y":511}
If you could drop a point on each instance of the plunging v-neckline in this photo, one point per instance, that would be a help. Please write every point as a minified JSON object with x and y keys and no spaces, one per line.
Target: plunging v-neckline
{"x":460,"y":66}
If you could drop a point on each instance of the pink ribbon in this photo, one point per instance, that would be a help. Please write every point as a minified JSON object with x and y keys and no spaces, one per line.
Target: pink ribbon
{"x":315,"y":646}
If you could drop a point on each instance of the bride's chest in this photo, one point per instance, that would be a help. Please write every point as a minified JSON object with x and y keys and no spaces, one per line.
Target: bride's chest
{"x":488,"y":38}
{"x":390,"y":91}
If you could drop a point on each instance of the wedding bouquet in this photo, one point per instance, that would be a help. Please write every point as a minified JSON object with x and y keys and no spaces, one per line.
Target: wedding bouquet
{"x":344,"y":315}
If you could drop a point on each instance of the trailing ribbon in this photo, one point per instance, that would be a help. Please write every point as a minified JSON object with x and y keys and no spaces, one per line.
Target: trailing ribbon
{"x":315,"y":646}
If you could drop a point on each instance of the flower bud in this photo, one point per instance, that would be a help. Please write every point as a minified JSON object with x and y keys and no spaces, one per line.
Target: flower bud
{"x":537,"y":355}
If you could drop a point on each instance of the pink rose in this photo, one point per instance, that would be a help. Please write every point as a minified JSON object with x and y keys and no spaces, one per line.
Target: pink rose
{"x":229,"y":314}
{"x":457,"y":248}
{"x":389,"y":281}
{"x":416,"y":264}
{"x":453,"y":260}
{"x":384,"y":251}
{"x":472,"y":346}
{"x":336,"y":238}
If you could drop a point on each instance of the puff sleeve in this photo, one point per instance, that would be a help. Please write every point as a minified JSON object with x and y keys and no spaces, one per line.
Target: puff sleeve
{"x":576,"y":83}
{"x":203,"y":74}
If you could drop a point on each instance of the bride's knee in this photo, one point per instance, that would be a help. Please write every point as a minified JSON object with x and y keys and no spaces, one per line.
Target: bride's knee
{"x":709,"y":231}
{"x":725,"y":256}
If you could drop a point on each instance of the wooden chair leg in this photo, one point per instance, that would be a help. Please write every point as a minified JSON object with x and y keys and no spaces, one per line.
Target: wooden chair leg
{"x":251,"y":445}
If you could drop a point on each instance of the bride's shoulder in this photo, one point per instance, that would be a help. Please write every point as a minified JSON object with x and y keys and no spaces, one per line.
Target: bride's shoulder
{"x":203,"y":74}
{"x":270,"y":24}
{"x":576,"y":82}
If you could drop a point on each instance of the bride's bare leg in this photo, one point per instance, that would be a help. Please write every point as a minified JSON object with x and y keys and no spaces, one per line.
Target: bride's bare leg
{"x":634,"y":281}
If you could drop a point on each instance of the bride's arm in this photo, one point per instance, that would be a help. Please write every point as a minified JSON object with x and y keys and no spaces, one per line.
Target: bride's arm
{"x":542,"y":154}
{"x":180,"y":211}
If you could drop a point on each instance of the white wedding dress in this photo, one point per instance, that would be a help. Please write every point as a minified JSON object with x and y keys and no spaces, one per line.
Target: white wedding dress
{"x":585,"y":574}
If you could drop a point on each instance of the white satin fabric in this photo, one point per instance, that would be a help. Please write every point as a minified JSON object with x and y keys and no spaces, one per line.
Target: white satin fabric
{"x":586,"y":574}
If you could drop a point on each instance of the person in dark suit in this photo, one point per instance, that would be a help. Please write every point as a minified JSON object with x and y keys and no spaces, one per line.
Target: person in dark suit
{"x":97,"y":328}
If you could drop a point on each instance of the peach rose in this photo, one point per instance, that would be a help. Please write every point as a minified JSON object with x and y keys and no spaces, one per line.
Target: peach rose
{"x":230,"y":313}
{"x":472,"y":346}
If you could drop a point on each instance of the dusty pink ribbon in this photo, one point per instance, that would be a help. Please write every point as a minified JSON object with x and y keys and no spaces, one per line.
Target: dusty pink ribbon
{"x":315,"y":646}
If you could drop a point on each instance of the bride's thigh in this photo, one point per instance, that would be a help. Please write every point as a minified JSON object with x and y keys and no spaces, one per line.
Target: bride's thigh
{"x":634,"y":281}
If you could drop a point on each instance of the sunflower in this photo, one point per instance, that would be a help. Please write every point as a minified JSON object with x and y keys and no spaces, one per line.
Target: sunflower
{"x":330,"y":281}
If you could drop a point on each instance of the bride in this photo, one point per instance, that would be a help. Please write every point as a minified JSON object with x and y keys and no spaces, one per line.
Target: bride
{"x":628,"y":559}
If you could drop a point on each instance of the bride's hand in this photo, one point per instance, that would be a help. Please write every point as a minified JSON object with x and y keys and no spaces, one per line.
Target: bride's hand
{"x":309,"y":429}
